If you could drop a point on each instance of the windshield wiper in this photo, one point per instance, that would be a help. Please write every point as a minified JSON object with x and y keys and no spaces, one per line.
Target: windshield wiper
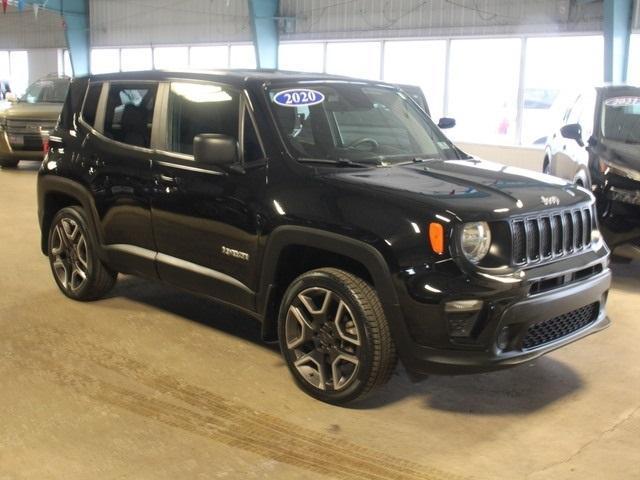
{"x":418,"y":160}
{"x":340,"y":162}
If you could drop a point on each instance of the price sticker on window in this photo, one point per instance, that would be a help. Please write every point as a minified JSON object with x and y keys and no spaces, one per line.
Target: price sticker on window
{"x":297,"y":97}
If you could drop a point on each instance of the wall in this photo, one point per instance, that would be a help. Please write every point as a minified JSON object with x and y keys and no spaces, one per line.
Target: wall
{"x":21,"y":30}
{"x":120,"y":23}
{"x":405,"y":18}
{"x":42,"y":61}
{"x":522,"y":157}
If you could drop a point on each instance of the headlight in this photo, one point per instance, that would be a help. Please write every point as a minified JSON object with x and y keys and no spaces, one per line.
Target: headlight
{"x":625,"y":172}
{"x":476,"y":240}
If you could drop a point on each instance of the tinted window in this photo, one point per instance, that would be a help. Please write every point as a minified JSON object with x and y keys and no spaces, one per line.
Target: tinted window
{"x":252,"y":149}
{"x":91,"y":103}
{"x":129,"y":113}
{"x":196,"y":108}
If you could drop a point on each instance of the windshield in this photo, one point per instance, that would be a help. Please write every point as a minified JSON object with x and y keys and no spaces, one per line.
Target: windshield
{"x":47,"y":91}
{"x":621,"y":117}
{"x":356,"y":122}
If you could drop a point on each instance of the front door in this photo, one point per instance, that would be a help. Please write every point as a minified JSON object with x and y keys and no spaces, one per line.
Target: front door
{"x":205,"y":219}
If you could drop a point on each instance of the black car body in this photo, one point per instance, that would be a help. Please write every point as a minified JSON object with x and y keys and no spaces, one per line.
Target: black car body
{"x":242,"y":228}
{"x":598,"y":147}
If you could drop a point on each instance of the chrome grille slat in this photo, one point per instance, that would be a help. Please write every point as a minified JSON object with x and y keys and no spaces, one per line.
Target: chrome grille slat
{"x":29,"y":127}
{"x":547,"y":236}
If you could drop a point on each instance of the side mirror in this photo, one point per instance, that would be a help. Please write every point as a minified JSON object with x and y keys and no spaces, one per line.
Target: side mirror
{"x":446,"y":122}
{"x":573,"y":131}
{"x":215,"y":149}
{"x":11,"y":97}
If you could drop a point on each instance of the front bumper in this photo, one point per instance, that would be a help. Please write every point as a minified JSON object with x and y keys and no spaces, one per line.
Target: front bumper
{"x":28,"y":152}
{"x":505,"y":325}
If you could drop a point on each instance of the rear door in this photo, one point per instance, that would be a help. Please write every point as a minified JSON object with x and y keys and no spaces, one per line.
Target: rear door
{"x":206,"y":220}
{"x":118,"y":155}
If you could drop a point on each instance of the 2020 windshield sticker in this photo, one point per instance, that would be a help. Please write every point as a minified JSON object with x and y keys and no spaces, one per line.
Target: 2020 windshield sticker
{"x":622,"y":102}
{"x":296,"y":97}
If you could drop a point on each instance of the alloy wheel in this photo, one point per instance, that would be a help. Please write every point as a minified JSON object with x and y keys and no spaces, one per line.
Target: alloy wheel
{"x":70,"y":256}
{"x":323,"y":337}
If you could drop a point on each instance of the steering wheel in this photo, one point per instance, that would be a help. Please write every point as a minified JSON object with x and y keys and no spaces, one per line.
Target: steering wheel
{"x":361,"y":141}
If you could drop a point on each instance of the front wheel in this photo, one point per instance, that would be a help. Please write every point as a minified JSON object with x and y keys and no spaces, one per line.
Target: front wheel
{"x":74,"y":260}
{"x":334,"y":336}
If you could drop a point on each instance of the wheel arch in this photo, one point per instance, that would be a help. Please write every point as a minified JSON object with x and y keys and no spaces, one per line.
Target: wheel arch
{"x":56,"y":193}
{"x":311,"y":248}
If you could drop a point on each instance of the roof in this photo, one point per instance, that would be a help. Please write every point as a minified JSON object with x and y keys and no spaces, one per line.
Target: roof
{"x":232,"y":76}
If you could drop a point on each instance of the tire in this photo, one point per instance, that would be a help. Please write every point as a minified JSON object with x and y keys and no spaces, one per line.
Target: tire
{"x":334,"y":336}
{"x":73,"y":256}
{"x":8,"y":163}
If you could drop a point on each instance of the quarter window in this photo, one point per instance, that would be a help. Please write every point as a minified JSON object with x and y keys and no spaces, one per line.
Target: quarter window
{"x":129,"y":113}
{"x":197,"y":108}
{"x":91,"y":103}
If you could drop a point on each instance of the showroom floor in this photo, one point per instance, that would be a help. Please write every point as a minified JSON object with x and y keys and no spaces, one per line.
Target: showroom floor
{"x":153,"y":383}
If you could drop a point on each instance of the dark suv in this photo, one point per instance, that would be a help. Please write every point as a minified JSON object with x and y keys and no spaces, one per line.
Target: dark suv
{"x":598,"y":146}
{"x":332,"y":210}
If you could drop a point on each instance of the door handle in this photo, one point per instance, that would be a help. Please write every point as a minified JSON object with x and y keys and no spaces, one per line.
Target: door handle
{"x":168,"y":179}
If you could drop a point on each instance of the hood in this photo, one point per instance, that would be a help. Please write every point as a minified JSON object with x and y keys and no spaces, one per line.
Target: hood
{"x":470,"y":189}
{"x":39,"y":111}
{"x":623,"y":154}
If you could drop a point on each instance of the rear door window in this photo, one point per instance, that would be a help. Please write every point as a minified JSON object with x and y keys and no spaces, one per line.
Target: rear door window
{"x":129,"y":113}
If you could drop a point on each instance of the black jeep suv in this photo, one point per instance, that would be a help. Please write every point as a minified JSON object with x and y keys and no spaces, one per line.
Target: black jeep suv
{"x":332,"y":210}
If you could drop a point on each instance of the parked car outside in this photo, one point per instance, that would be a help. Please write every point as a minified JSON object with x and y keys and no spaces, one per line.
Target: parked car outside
{"x":25,"y":124}
{"x":334,"y":211}
{"x":598,"y":147}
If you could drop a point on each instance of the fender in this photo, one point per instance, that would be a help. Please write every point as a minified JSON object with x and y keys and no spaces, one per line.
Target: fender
{"x":52,"y":184}
{"x":357,"y":250}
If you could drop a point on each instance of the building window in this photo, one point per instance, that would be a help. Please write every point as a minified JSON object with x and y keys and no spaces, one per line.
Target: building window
{"x":634,"y":60}
{"x":242,"y":56}
{"x":132,"y":59}
{"x":483,"y":89}
{"x":419,"y":63}
{"x":550,"y":79}
{"x":301,"y":57}
{"x":209,"y":57}
{"x":354,"y":59}
{"x":14,"y":66}
{"x":170,"y":58}
{"x":105,"y":60}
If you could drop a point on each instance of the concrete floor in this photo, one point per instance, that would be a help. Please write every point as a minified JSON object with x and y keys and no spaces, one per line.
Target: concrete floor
{"x":153,"y":383}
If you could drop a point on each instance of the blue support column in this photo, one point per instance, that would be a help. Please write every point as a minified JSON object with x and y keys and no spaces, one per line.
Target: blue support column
{"x":617,"y":33}
{"x":75,"y":14}
{"x":264,"y":23}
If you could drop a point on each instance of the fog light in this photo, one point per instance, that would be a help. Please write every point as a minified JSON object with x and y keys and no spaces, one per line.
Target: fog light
{"x":462,"y":306}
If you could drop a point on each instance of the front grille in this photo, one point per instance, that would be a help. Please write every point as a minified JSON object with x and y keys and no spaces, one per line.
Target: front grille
{"x":550,"y":235}
{"x":561,"y":326}
{"x":29,"y":127}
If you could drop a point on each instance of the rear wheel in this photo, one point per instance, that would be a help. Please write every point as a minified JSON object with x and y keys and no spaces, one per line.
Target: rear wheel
{"x":76,"y":268}
{"x":334,"y":336}
{"x":8,"y":163}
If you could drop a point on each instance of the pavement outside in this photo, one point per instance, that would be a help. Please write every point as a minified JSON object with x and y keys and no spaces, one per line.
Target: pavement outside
{"x":154,"y":383}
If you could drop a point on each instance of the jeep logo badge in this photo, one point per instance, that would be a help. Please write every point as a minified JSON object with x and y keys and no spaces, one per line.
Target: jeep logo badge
{"x":548,"y":201}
